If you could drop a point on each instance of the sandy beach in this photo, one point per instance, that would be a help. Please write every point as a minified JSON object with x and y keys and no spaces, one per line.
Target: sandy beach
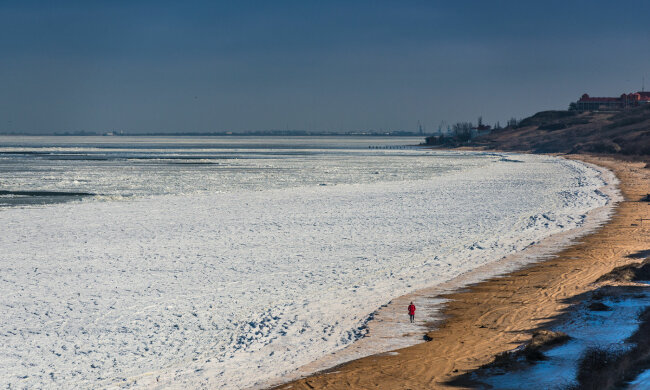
{"x":499,"y":314}
{"x":250,"y":195}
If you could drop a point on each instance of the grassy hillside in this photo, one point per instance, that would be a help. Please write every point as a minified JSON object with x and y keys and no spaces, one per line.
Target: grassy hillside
{"x":621,"y":133}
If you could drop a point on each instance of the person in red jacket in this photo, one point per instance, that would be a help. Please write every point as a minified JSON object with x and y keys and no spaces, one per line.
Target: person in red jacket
{"x":412,"y":312}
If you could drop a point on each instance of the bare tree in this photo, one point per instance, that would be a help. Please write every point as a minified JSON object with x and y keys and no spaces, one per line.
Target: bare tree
{"x":513,"y":122}
{"x":463,"y":130}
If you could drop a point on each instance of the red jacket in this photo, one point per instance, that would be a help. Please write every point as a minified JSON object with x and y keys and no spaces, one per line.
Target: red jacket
{"x":412,"y":310}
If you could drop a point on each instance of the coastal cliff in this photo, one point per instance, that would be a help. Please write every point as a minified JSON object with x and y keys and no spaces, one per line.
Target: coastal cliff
{"x":621,"y":133}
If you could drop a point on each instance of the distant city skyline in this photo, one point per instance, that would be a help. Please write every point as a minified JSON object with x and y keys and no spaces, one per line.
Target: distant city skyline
{"x":334,"y":66}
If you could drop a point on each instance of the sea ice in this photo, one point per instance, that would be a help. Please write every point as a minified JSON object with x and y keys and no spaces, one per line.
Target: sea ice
{"x":228,"y":290}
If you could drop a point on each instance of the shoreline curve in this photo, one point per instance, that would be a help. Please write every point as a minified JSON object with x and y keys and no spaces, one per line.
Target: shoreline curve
{"x":403,"y":368}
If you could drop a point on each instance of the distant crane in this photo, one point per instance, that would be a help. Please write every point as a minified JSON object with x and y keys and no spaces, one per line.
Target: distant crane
{"x":643,"y":84}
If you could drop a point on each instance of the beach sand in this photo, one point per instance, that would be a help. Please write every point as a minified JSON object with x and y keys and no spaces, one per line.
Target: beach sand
{"x":499,"y":314}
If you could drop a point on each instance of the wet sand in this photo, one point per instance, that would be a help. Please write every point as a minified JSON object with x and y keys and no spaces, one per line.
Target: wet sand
{"x":497,"y":315}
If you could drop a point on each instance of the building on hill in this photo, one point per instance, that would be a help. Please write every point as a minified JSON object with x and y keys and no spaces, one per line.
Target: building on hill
{"x":588,"y":103}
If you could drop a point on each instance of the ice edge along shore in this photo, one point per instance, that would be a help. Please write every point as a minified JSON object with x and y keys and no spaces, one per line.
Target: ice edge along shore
{"x":385,"y":328}
{"x":191,"y":312}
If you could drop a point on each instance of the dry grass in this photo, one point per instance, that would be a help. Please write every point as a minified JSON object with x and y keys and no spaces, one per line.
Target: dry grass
{"x":598,"y":306}
{"x":520,"y":358}
{"x":624,"y":133}
{"x":628,"y":273}
{"x":533,"y":351}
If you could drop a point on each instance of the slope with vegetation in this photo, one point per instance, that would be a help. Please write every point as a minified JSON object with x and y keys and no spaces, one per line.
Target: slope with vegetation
{"x":621,"y":133}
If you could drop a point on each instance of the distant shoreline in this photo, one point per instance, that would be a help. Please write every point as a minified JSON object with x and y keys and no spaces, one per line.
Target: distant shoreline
{"x":226,"y":134}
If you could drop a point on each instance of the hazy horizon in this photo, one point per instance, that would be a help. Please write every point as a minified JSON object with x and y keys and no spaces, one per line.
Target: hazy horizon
{"x":145,"y":67}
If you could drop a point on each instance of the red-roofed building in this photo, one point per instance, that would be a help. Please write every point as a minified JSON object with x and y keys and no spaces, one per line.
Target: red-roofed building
{"x":588,"y":103}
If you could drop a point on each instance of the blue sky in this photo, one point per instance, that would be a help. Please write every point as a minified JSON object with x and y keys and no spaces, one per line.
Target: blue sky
{"x":317,"y":65}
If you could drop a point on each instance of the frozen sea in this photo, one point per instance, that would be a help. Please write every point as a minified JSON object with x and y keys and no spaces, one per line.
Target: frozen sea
{"x":228,"y":262}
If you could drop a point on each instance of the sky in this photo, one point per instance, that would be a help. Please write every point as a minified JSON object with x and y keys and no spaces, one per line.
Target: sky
{"x":211,"y":66}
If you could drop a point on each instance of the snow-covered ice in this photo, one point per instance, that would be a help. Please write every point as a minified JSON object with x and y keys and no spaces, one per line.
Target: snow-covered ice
{"x":231,"y":289}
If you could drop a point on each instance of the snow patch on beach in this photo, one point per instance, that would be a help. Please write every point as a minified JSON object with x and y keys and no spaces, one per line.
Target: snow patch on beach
{"x":232,"y":289}
{"x":607,"y":330}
